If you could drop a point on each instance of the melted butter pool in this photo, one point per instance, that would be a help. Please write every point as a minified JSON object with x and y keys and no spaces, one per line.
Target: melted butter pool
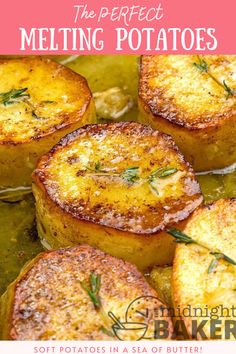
{"x":18,"y":238}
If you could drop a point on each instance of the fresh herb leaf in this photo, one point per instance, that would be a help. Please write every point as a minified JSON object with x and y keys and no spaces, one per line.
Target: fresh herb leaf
{"x":155,"y":174}
{"x":214,"y":262}
{"x":95,"y":282}
{"x":13,"y":96}
{"x":153,"y":187}
{"x":130,"y":175}
{"x":180,"y":237}
{"x":212,"y":266}
{"x":230,"y":92}
{"x":160,"y":173}
{"x":168,"y":172}
{"x":219,"y":255}
{"x":106,"y":331}
{"x":93,"y":291}
{"x":201,"y":65}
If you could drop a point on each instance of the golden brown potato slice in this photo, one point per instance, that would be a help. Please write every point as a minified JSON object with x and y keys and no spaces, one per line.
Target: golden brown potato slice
{"x":116,"y":187}
{"x":68,"y":294}
{"x":192,"y":98}
{"x":40,"y":101}
{"x":204,"y":274}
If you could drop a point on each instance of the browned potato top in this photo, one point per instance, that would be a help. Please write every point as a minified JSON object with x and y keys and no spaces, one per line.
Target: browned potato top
{"x":38,"y":97}
{"x":48,"y":300}
{"x":204,"y":272}
{"x":172,"y":87}
{"x":121,"y":175}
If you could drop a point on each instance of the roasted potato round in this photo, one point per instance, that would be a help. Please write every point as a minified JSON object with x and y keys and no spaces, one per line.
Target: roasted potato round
{"x":204,"y":273}
{"x":67,"y":295}
{"x":192,"y":98}
{"x":40,"y":101}
{"x":116,"y":187}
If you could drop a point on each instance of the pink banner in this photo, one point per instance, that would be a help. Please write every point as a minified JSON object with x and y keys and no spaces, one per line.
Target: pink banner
{"x":121,"y":26}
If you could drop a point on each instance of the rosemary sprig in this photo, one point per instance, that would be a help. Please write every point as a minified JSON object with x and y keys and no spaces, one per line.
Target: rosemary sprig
{"x":130,"y":174}
{"x":214,"y":262}
{"x":18,"y":95}
{"x":230,"y":92}
{"x":180,"y":237}
{"x":93,"y":291}
{"x":219,"y":255}
{"x":212,"y":266}
{"x":203,"y":67}
{"x":167,"y":172}
{"x":160,"y":173}
{"x":13,"y":96}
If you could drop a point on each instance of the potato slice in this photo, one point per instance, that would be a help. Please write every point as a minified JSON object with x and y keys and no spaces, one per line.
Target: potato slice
{"x":197,"y":108}
{"x":40,"y":101}
{"x":200,"y":281}
{"x":116,"y":187}
{"x":50,"y":299}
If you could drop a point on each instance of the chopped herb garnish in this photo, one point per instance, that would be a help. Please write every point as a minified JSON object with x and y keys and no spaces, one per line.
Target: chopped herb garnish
{"x":203,"y":67}
{"x":93,"y":291}
{"x":214,"y":262}
{"x":130,"y":175}
{"x":160,"y":173}
{"x":13,"y":96}
{"x":155,"y":174}
{"x":168,"y":172}
{"x":180,"y":237}
{"x":230,"y":92}
{"x":153,"y":187}
{"x":219,"y":255}
{"x":212,"y":266}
